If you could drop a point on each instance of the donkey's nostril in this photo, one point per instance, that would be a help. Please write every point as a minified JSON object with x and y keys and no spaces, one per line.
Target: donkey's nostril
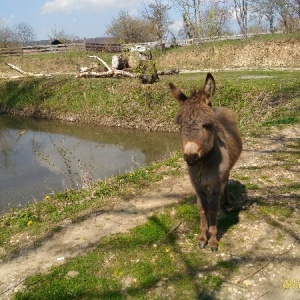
{"x":191,"y":159}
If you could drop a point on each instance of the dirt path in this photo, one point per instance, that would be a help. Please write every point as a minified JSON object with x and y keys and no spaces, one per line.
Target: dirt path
{"x":267,"y":252}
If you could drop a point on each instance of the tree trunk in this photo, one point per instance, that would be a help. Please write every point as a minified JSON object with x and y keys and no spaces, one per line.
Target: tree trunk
{"x":119,"y":62}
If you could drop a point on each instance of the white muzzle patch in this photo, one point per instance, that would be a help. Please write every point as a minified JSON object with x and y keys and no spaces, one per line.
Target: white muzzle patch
{"x":190,"y":148}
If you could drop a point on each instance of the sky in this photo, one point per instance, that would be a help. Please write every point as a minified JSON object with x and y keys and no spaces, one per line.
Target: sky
{"x":80,"y":18}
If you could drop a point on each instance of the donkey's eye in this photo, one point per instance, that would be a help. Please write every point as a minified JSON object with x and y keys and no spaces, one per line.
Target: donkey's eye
{"x":207,"y":126}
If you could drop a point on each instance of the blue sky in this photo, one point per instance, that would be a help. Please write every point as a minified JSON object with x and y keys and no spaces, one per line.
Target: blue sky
{"x":82,"y":18}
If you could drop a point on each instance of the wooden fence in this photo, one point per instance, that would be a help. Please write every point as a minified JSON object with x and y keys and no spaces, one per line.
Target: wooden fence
{"x":107,"y":47}
{"x":94,"y":47}
{"x":97,"y":47}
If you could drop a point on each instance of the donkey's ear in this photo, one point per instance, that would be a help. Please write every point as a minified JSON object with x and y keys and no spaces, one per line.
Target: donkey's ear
{"x":209,"y":88}
{"x":177,"y":93}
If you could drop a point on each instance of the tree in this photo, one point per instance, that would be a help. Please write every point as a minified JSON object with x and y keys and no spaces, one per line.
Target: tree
{"x":266,"y":9}
{"x":24,"y":33}
{"x":156,"y":13}
{"x":288,"y":11}
{"x":215,"y":19}
{"x":241,"y":13}
{"x":191,"y":14}
{"x":6,"y":36}
{"x":297,"y":7}
{"x":61,"y":35}
{"x":128,"y":29}
{"x":204,"y":18}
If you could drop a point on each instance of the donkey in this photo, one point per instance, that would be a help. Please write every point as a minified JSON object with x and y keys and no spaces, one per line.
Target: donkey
{"x":211,"y":145}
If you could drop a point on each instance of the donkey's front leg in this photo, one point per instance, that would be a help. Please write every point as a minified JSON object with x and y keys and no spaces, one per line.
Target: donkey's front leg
{"x":202,"y":207}
{"x":213,"y":211}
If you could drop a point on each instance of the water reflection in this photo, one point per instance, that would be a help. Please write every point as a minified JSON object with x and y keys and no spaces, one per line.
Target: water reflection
{"x":42,"y":157}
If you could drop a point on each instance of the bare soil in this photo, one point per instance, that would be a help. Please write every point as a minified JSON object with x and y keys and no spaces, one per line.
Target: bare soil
{"x":265,"y":247}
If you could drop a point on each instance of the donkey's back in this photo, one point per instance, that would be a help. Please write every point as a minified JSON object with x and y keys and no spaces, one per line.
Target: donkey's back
{"x":226,"y":119}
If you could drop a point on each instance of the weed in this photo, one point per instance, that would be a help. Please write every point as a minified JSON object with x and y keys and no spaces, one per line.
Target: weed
{"x":227,"y":265}
{"x":243,"y":177}
{"x":212,"y":282}
{"x":276,"y":210}
{"x":188,"y":212}
{"x":251,"y":216}
{"x":252,"y":186}
{"x":293,"y":187}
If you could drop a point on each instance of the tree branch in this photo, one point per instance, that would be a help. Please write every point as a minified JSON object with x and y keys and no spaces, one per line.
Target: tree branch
{"x":27,"y":73}
{"x":103,"y":62}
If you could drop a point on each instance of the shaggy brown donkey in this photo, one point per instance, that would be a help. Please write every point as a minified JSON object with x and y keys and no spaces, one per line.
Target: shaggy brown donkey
{"x":211,"y":145}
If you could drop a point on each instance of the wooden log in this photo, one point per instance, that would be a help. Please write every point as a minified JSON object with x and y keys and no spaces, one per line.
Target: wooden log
{"x":19,"y":70}
{"x":110,"y":73}
{"x":103,"y":62}
{"x":168,"y":72}
{"x":24,"y":73}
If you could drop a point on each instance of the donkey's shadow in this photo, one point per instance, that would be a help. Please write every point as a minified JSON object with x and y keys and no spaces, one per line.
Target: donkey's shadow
{"x":238,"y":200}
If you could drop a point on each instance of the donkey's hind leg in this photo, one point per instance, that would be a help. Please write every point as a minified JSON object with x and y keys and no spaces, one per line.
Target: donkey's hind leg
{"x":225,"y":198}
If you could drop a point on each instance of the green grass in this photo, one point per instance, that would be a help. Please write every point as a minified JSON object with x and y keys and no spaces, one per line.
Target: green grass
{"x":149,"y":259}
{"x":277,"y":210}
{"x":41,"y":218}
{"x":268,"y":101}
{"x":134,"y":265}
{"x":252,"y":186}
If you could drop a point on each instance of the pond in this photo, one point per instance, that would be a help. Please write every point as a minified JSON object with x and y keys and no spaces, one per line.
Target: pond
{"x":41,"y":157}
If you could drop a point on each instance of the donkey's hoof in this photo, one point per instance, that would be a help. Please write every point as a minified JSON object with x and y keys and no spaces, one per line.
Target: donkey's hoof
{"x":202,"y":245}
{"x":214,"y":248}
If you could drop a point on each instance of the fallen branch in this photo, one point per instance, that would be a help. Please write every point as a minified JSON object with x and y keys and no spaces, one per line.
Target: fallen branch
{"x":168,"y":72}
{"x":174,"y":228}
{"x":27,"y":73}
{"x":103,"y":62}
{"x":19,"y":70}
{"x":266,"y":264}
{"x":111,"y":72}
{"x":86,"y":72}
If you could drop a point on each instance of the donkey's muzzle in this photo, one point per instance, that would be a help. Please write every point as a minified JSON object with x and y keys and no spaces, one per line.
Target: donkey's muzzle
{"x":191,"y":159}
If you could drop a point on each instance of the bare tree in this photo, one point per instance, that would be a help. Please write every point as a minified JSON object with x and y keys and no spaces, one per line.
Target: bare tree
{"x":24,"y":33}
{"x":241,"y":13}
{"x":128,"y":29}
{"x":297,"y":7}
{"x":6,"y":36}
{"x":288,"y":11}
{"x":215,"y":19}
{"x":205,"y":18}
{"x":266,"y":9}
{"x":156,"y":13}
{"x":191,"y":14}
{"x":61,"y":35}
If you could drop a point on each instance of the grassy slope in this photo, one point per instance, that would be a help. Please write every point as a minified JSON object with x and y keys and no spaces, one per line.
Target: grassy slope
{"x":127,"y":103}
{"x":270,"y":100}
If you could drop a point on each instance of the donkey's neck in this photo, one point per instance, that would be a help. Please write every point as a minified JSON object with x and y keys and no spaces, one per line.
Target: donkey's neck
{"x":214,"y":156}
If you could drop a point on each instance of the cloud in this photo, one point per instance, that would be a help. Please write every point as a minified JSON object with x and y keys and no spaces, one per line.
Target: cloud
{"x":7,"y":21}
{"x":69,"y":6}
